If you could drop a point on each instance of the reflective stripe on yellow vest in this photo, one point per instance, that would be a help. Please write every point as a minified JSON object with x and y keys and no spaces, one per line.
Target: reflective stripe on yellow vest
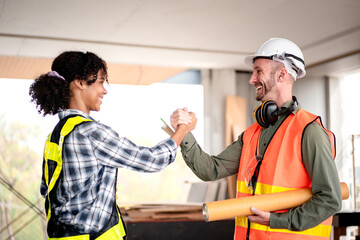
{"x":117,"y":232}
{"x":52,"y":170}
{"x":277,"y":174}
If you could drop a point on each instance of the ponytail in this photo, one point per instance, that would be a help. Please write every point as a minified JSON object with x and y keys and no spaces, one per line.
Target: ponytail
{"x":51,"y":91}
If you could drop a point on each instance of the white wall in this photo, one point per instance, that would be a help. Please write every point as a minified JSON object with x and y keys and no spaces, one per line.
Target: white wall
{"x":312,"y":96}
{"x":217,"y":84}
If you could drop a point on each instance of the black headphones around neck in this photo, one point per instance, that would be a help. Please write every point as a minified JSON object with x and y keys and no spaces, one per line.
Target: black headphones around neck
{"x":268,"y":112}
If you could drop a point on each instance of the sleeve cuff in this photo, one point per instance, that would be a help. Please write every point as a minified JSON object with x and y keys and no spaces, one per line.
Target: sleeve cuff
{"x":278,"y":220}
{"x":188,"y":141}
{"x":172,"y":146}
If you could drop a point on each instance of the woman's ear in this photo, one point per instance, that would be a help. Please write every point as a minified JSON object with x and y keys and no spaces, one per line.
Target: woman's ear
{"x":79,"y":83}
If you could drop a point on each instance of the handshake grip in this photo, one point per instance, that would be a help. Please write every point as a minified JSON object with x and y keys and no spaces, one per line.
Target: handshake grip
{"x":237,"y":207}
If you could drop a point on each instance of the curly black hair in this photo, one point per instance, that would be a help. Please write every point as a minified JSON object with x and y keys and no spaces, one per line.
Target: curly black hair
{"x":51,"y":93}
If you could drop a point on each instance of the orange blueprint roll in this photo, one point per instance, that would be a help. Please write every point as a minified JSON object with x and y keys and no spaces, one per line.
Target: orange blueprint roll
{"x":236,"y":207}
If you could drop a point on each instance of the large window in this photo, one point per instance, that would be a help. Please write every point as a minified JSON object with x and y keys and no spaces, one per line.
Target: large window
{"x":347,"y":118}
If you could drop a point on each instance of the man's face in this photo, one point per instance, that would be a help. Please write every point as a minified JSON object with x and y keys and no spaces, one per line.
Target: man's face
{"x":263,"y":79}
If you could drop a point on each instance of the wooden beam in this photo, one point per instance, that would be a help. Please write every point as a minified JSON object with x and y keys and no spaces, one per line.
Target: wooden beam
{"x":30,"y":68}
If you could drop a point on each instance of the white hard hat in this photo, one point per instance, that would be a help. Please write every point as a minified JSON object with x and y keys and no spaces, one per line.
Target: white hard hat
{"x":281,"y":50}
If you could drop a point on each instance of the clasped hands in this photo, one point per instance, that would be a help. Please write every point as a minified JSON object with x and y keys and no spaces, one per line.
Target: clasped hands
{"x":182,"y":116}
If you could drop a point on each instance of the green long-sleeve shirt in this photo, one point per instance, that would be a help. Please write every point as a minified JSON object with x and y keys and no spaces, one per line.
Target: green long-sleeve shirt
{"x":317,"y":159}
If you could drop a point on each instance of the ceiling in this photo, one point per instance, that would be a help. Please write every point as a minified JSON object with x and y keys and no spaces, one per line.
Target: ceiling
{"x":146,"y":41}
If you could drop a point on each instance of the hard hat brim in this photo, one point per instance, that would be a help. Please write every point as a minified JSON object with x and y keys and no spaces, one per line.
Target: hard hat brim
{"x":249,"y":60}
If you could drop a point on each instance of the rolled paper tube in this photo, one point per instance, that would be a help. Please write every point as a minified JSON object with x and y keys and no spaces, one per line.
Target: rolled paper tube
{"x":237,"y":207}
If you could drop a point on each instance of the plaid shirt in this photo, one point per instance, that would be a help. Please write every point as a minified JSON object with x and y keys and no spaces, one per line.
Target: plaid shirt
{"x":92,"y":152}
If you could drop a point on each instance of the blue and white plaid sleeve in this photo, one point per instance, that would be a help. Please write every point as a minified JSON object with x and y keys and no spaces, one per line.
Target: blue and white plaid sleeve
{"x":119,"y":152}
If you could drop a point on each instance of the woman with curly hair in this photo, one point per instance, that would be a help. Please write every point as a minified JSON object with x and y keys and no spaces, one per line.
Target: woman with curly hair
{"x":81,"y":155}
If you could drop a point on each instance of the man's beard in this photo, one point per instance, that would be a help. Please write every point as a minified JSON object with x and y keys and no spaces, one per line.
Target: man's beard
{"x":268,"y":85}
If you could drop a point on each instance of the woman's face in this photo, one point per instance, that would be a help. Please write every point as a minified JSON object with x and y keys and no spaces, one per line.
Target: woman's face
{"x":94,"y":93}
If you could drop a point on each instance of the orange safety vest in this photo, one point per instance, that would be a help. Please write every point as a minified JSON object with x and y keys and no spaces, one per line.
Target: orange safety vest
{"x":282,"y":169}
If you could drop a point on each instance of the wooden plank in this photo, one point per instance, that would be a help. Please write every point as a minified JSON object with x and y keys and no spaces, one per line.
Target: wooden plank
{"x":196,"y":215}
{"x":171,"y":209}
{"x":138,"y":212}
{"x":235,"y":121}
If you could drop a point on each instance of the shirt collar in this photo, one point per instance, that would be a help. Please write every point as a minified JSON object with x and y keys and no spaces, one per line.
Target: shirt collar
{"x":289,"y":103}
{"x":68,"y":112}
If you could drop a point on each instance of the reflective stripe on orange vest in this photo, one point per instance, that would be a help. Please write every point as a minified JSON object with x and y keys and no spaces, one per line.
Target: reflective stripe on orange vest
{"x":322,"y":230}
{"x":277,"y":174}
{"x":258,"y":231}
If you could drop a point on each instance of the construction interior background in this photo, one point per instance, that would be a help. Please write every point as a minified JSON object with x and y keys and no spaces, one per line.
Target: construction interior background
{"x":163,"y":55}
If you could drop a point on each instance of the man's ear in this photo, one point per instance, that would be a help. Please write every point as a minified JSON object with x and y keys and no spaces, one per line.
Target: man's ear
{"x":79,"y":83}
{"x":282,"y":74}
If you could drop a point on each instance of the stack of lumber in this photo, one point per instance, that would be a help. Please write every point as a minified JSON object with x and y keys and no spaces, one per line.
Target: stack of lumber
{"x":148,"y":212}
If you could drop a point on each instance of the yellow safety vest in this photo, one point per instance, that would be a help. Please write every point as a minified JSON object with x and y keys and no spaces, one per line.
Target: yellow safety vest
{"x":52,"y":168}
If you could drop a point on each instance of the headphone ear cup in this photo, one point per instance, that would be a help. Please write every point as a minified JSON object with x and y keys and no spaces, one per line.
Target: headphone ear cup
{"x":258,"y":118}
{"x":268,"y":110}
{"x":264,"y":114}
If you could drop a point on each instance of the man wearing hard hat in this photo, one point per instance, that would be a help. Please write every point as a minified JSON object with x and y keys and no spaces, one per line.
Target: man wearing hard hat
{"x":287,"y":148}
